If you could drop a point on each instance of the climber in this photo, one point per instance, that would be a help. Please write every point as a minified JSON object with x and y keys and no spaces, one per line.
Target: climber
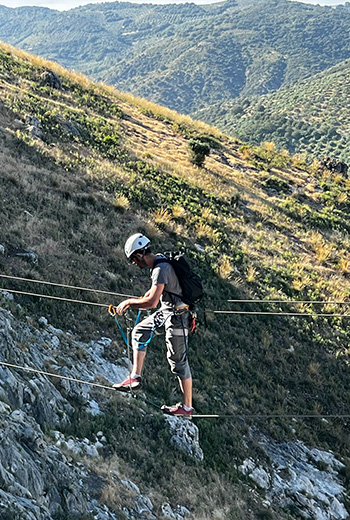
{"x":173,"y":315}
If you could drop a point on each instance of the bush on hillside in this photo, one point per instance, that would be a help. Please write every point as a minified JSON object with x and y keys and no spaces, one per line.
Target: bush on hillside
{"x":200,"y":150}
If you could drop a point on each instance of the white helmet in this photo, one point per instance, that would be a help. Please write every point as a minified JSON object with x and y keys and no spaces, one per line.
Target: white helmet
{"x":134,"y":243}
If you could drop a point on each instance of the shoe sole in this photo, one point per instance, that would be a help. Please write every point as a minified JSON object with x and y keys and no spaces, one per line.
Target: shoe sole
{"x":189,"y":417}
{"x":166,"y":412}
{"x":127,"y":388}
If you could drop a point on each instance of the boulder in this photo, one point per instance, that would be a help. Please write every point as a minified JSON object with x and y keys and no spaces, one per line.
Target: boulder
{"x":185,"y":436}
{"x":51,"y":79}
{"x":30,"y":256}
{"x":34,"y":127}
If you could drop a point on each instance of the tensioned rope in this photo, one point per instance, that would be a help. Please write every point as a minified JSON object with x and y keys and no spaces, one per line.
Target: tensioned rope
{"x":208,"y":311}
{"x":109,"y":293}
{"x":194,"y":416}
{"x":53,"y":297}
{"x":267,"y":313}
{"x":37,"y":371}
{"x":65,"y":286}
{"x":325,"y":302}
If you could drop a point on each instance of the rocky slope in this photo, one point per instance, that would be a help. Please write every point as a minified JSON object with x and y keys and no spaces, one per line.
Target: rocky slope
{"x":45,"y":474}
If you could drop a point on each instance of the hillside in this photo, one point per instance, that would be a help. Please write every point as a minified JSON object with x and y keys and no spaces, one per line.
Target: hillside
{"x":187,"y":56}
{"x":82,"y":167}
{"x":311,"y":116}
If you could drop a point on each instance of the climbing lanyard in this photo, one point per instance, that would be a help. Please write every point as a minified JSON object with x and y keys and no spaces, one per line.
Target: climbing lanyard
{"x":113,"y":312}
{"x":159,"y":321}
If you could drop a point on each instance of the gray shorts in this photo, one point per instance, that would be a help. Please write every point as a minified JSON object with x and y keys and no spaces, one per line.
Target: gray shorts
{"x":176,"y":337}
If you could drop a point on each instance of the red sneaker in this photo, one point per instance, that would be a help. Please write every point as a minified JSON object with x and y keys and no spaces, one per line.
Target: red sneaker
{"x":177,"y":410}
{"x":128,"y":384}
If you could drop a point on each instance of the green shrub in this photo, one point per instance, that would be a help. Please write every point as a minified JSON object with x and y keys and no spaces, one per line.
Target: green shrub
{"x":200,"y":149}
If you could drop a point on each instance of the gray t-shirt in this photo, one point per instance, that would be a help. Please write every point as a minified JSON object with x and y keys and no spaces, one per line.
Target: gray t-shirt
{"x":164,"y":273}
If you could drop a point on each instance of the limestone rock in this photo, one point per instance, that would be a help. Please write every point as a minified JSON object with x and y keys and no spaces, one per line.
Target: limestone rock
{"x":177,"y":513}
{"x":43,"y":322}
{"x":30,"y":256}
{"x":51,"y":79}
{"x":41,"y":477}
{"x":295,"y":480}
{"x":144,"y":507}
{"x":34,"y":127}
{"x":185,"y":435}
{"x":68,"y":127}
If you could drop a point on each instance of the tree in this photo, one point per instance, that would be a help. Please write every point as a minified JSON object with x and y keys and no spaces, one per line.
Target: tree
{"x":200,"y":149}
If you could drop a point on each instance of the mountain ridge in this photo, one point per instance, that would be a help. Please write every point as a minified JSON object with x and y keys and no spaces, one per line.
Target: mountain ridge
{"x":187,"y":56}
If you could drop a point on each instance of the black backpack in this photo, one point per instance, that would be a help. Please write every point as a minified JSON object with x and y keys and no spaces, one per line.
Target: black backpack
{"x":190,"y":282}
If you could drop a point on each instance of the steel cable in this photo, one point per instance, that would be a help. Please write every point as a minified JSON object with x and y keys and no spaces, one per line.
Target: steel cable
{"x":194,"y":416}
{"x":208,"y":311}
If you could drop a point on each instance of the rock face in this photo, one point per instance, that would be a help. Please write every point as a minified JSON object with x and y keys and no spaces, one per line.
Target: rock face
{"x":46,"y":474}
{"x":37,"y":480}
{"x":300,"y":479}
{"x":41,"y":477}
{"x":185,"y":435}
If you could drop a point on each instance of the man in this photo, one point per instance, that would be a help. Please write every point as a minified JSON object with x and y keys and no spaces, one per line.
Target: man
{"x":173,"y":315}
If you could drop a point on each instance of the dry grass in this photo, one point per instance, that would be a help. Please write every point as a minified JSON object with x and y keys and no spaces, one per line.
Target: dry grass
{"x":160,"y":112}
{"x":178,"y":211}
{"x":269,"y":146}
{"x":206,"y":232}
{"x":251,"y":274}
{"x":162,"y":217}
{"x":344,"y":265}
{"x":121,"y":202}
{"x":225,"y":269}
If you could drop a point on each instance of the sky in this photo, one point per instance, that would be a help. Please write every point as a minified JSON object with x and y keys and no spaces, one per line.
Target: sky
{"x":69,"y":4}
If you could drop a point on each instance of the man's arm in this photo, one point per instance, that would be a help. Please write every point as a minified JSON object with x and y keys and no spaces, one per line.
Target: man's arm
{"x":148,"y":301}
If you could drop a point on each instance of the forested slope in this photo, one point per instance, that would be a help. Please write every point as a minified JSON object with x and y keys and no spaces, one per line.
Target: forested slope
{"x":311,"y":116}
{"x":187,"y":56}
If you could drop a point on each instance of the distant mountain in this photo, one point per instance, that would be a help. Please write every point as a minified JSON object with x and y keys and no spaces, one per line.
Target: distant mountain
{"x":310,"y":116}
{"x":187,"y":56}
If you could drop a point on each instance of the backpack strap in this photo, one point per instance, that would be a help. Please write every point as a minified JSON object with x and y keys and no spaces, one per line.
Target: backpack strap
{"x":167,"y":261}
{"x":159,"y":260}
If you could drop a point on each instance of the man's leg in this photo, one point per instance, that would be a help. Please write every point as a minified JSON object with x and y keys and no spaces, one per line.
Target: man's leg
{"x":176,"y":336}
{"x":139,"y":358}
{"x":186,"y":388}
{"x":140,"y":335}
